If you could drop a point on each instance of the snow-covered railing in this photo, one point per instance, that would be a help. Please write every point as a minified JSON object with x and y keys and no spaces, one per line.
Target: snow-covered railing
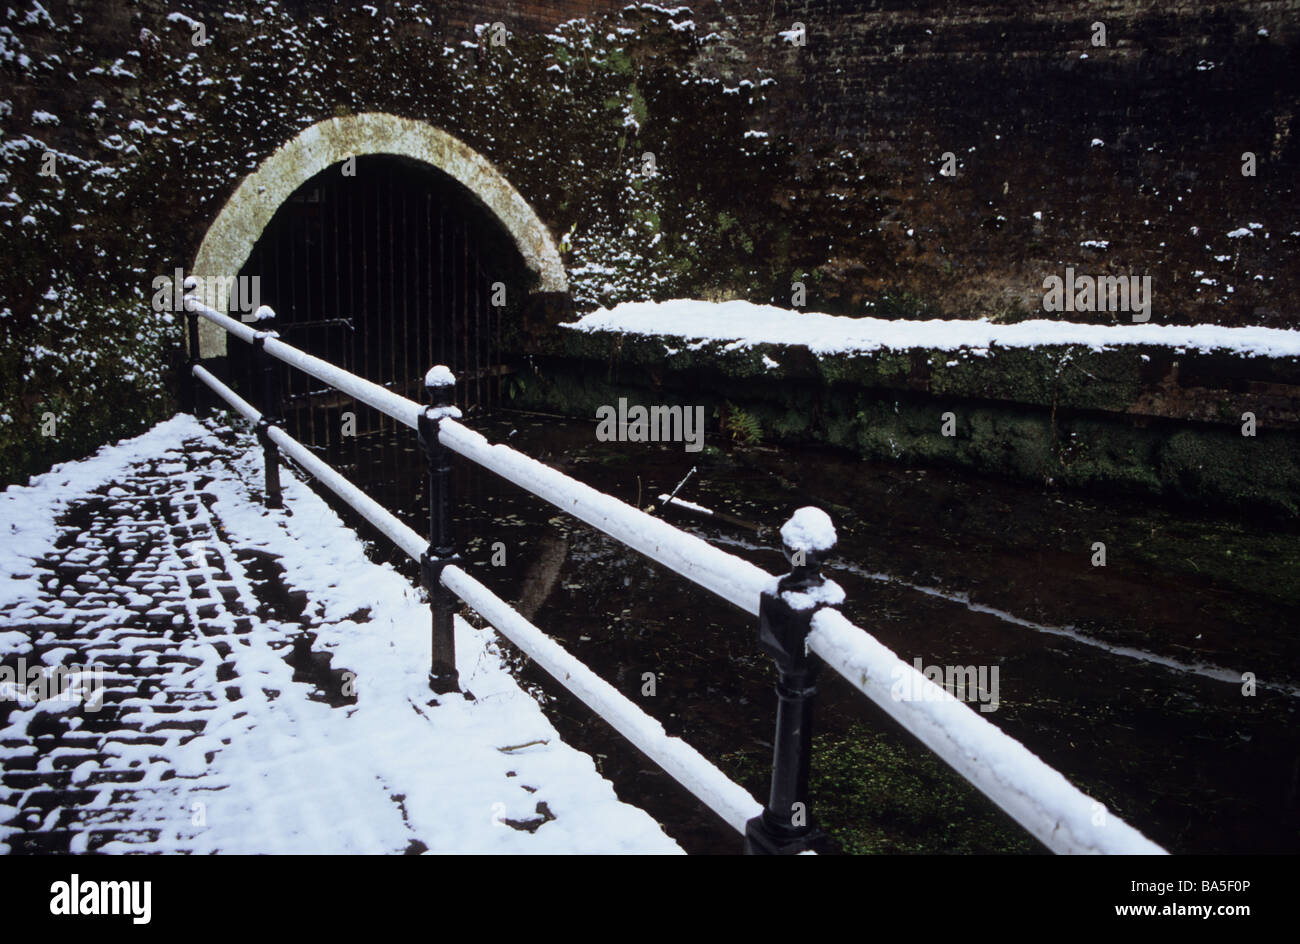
{"x":731,"y":578}
{"x":799,"y":624}
{"x":1036,"y":796}
{"x":371,"y":394}
{"x":685,"y":764}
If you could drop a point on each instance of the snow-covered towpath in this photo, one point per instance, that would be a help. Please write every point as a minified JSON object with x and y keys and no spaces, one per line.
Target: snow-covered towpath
{"x":263,"y":683}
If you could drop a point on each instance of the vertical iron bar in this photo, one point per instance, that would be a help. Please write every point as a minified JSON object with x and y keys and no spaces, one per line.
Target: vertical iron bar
{"x":430,"y":315}
{"x":379,"y":304}
{"x":343,"y":347}
{"x":326,"y":310}
{"x":414,"y":258}
{"x":407,"y":248}
{"x":496,"y":352}
{"x":277,"y":227}
{"x":391,"y":314}
{"x":364,"y":320}
{"x":464,"y":303}
{"x":305,"y":312}
{"x":291,"y":277}
{"x":453,"y":283}
{"x":478,"y":332}
{"x":442,"y":284}
{"x":309,"y":313}
{"x":351,"y":344}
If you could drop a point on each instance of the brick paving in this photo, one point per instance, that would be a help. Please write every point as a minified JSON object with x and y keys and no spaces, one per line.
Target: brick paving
{"x":224,"y":724}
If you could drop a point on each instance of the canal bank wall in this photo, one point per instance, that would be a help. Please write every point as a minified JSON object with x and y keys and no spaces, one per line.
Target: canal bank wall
{"x":1214,"y":426}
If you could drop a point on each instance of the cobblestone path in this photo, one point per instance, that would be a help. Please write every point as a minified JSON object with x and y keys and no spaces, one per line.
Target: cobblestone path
{"x":240,"y":682}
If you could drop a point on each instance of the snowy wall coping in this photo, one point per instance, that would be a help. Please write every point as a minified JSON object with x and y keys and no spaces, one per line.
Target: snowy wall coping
{"x":741,"y":324}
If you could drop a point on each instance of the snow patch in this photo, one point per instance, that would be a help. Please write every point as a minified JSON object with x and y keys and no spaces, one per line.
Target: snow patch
{"x":809,"y":529}
{"x":439,"y":376}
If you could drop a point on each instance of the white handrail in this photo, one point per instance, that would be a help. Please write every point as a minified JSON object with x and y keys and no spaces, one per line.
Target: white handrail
{"x":682,"y":762}
{"x":679,"y":760}
{"x":730,"y":577}
{"x":242,"y":406}
{"x":237,"y":328}
{"x":1034,"y":794}
{"x":381,"y":398}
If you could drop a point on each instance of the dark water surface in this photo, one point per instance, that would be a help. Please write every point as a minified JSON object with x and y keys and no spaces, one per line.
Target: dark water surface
{"x":1126,"y":677}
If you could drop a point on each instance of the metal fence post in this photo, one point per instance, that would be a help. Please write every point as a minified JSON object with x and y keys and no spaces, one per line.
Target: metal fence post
{"x":268,"y":375}
{"x":785,"y":826}
{"x":193,"y":387}
{"x":440,"y":384}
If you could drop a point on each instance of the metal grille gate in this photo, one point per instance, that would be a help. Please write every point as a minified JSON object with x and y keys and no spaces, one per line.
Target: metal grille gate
{"x":384,"y":272}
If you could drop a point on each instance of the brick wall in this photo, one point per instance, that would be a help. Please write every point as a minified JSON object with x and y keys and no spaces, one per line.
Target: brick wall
{"x":522,"y":14}
{"x":1018,"y":93}
{"x":776,"y":162}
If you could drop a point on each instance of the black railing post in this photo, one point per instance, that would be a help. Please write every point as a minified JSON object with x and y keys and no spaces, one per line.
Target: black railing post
{"x":440,"y":384}
{"x":192,"y":386}
{"x":268,"y":374}
{"x":785,"y":826}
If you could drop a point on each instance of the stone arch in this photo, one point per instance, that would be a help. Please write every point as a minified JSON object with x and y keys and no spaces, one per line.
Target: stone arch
{"x":232,"y":236}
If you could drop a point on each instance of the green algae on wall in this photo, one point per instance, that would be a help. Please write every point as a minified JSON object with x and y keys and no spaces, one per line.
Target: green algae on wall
{"x":1065,"y":416}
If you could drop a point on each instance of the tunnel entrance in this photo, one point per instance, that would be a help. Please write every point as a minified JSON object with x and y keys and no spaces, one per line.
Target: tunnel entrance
{"x":386,"y":266}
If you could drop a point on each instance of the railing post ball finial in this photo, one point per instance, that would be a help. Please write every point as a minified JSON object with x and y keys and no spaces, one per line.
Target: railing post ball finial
{"x":807,"y":540}
{"x":441,"y":384}
{"x":264,"y":318}
{"x":785,"y":613}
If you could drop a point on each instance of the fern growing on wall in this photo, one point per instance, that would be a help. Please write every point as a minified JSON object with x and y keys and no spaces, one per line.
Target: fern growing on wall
{"x":740,"y":427}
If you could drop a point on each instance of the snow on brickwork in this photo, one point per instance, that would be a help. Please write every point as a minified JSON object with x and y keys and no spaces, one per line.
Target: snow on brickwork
{"x":264,"y":684}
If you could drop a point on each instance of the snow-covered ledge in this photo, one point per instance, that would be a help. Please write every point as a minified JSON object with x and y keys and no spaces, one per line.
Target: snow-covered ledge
{"x":230,"y":239}
{"x":741,"y":324}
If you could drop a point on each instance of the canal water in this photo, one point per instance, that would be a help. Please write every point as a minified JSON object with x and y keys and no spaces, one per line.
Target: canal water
{"x":1134,"y":677}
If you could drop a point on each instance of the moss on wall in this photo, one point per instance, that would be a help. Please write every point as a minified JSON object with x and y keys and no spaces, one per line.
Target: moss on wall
{"x":1057,"y":416}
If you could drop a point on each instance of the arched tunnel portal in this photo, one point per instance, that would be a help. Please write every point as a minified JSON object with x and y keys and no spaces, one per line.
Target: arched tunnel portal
{"x":384,"y":245}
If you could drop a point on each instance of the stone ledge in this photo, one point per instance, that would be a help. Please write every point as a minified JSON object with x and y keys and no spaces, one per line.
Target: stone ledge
{"x":1137,"y":380}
